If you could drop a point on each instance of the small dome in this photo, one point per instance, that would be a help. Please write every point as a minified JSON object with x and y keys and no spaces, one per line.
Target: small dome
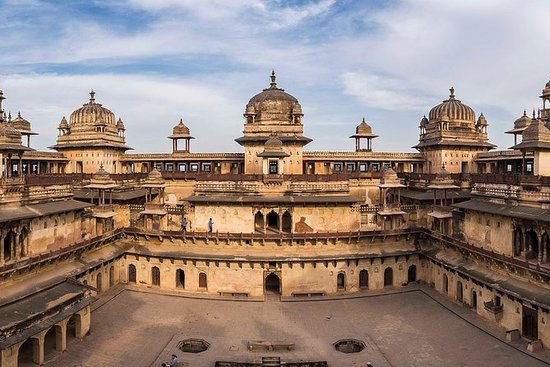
{"x":101,"y":177}
{"x":482,"y":121}
{"x":92,"y":113}
{"x":180,"y":129}
{"x":523,"y":121}
{"x":536,"y":131}
{"x":451,"y":110}
{"x":424,"y":121}
{"x":273,"y":144}
{"x":20,"y":123}
{"x":63,"y":124}
{"x":154,"y":179}
{"x":9,"y":135}
{"x":363,"y":128}
{"x":120,"y":124}
{"x":389,"y":176}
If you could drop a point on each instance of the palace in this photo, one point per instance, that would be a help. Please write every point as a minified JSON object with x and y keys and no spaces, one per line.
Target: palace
{"x":459,"y":216}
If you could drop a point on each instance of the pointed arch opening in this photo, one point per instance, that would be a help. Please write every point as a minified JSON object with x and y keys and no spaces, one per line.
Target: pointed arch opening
{"x":286,"y":224}
{"x":341,"y":281}
{"x":388,"y":277}
{"x":259,"y":222}
{"x":180,"y":278}
{"x":273,"y":283}
{"x":532,"y":243}
{"x":23,"y":242}
{"x":459,"y":291}
{"x":445,"y":283}
{"x":155,"y":276}
{"x":411,"y":274}
{"x":9,"y":245}
{"x":518,"y":242}
{"x":203,"y":281}
{"x":99,"y":282}
{"x":364,"y":279}
{"x":273,"y":221}
{"x":132,"y":273}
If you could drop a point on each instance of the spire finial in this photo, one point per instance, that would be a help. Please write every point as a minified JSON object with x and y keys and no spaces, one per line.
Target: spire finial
{"x":273,"y":77}
{"x":452,"y":90}
{"x":92,"y":96}
{"x":534,"y":114}
{"x":9,"y":116}
{"x":363,"y":119}
{"x":19,"y":114}
{"x":525,"y":113}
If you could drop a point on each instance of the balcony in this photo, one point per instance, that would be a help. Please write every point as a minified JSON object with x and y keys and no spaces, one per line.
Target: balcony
{"x":493,"y":308}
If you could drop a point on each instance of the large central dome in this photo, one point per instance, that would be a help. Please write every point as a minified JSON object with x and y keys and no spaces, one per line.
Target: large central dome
{"x":273,"y":106}
{"x":92,"y":113}
{"x":452,"y":110}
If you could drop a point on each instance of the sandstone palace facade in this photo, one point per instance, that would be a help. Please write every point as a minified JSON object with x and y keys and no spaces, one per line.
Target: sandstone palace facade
{"x":470,"y":221}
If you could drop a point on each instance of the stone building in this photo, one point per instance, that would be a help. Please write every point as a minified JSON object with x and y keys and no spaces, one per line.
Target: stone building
{"x":467,"y":220}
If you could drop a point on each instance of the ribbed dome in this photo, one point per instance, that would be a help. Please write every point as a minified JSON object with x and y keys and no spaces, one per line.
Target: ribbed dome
{"x":63,"y":124}
{"x":523,"y":121}
{"x":481,"y":120}
{"x":92,"y":113}
{"x":20,"y":123}
{"x":363,"y":128}
{"x":180,"y":129}
{"x":424,"y":121}
{"x":9,"y":135}
{"x":154,"y":179}
{"x":452,"y":110}
{"x":101,"y":177}
{"x":273,"y":144}
{"x":536,"y":131}
{"x":273,"y":105}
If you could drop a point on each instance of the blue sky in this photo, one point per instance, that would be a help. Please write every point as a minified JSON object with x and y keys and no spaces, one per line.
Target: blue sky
{"x":154,"y":62}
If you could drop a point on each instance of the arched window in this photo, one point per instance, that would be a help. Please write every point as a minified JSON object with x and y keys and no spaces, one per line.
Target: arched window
{"x":445,"y":283}
{"x":388,"y":277}
{"x":518,"y":242}
{"x":132,"y":273}
{"x":287,"y":222}
{"x":9,"y":245}
{"x":259,"y":222}
{"x":363,"y":279}
{"x":99,"y":282}
{"x":202,"y":280}
{"x":459,"y":291}
{"x":532,"y":243}
{"x":180,"y":279}
{"x":341,"y":281}
{"x":273,"y":220}
{"x":411,"y":274}
{"x":155,"y":275}
{"x":473,"y":301}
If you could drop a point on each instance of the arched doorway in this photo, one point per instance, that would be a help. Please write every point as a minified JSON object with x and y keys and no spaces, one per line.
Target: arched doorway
{"x":132,"y":273}
{"x":473,"y":301}
{"x":388,"y":277}
{"x":259,"y":222}
{"x":155,"y":276}
{"x":286,"y":222}
{"x":273,"y":283}
{"x":529,"y":323}
{"x":445,"y":283}
{"x":363,"y":279}
{"x":23,"y":245}
{"x":518,"y":242}
{"x":273,"y":220}
{"x":9,"y":244}
{"x":459,"y":291}
{"x":99,"y":282}
{"x":532,"y":243}
{"x":25,"y":354}
{"x":411,"y":274}
{"x":180,"y":279}
{"x":111,"y":276}
{"x":203,"y":283}
{"x":341,"y":281}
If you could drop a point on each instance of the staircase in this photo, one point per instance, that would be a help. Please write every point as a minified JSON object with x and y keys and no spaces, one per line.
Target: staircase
{"x":271,"y":361}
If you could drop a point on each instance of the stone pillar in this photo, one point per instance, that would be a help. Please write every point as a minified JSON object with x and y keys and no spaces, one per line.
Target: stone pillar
{"x":9,"y":355}
{"x":539,"y":254}
{"x":83,"y":322}
{"x":38,"y":347}
{"x":2,"y":236}
{"x":61,"y":335}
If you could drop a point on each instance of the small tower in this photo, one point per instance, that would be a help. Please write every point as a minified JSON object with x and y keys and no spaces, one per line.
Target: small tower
{"x":545,"y":112}
{"x":180,"y":132}
{"x":120,"y":127}
{"x":363,"y":131}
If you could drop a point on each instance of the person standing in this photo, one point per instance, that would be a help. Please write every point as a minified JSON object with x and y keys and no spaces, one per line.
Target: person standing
{"x":184,"y":225}
{"x":210,"y":225}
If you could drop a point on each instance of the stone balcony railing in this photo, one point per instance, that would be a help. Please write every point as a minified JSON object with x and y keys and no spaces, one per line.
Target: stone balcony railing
{"x":510,"y":192}
{"x":493,"y":308}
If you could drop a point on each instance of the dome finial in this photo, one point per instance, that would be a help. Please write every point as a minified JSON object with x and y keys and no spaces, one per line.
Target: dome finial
{"x":525,"y":113}
{"x":534,"y":114}
{"x":92,"y":96}
{"x":363,"y":119}
{"x":452,"y":90}
{"x":273,"y":77}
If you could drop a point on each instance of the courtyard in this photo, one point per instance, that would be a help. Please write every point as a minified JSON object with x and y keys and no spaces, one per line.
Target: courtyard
{"x":133,"y":328}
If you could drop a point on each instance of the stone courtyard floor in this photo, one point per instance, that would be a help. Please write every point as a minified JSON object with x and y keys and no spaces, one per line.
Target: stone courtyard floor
{"x":411,"y":328}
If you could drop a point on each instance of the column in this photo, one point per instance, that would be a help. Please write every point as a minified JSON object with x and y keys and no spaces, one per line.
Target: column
{"x":61,"y":335}
{"x":539,"y":255}
{"x":83,"y":321}
{"x":38,"y":348}
{"x":2,"y":236}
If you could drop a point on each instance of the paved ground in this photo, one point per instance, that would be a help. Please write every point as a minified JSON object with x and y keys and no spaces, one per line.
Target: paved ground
{"x":403,"y":329}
